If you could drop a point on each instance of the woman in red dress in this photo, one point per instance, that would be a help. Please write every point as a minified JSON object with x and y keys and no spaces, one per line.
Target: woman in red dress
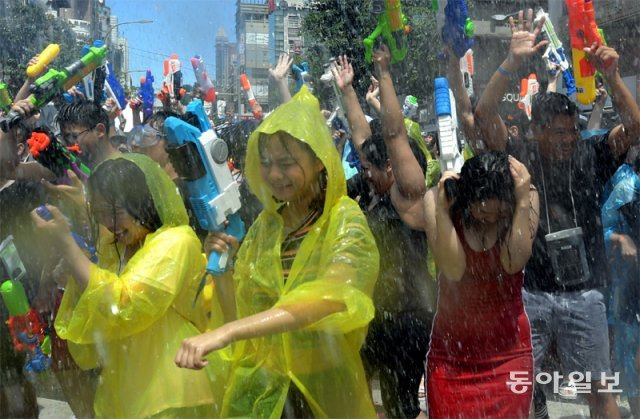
{"x":481,"y":227}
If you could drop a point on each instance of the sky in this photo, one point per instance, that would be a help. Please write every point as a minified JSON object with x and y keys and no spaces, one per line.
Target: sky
{"x":183,"y":27}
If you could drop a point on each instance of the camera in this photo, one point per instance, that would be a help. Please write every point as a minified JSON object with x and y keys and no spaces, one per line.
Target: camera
{"x":568,"y":256}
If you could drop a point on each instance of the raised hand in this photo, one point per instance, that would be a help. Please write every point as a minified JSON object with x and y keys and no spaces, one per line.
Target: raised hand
{"x":282,"y":68}
{"x":521,"y":180}
{"x":381,"y":60}
{"x":343,"y":72}
{"x":604,"y":58}
{"x":523,"y":39}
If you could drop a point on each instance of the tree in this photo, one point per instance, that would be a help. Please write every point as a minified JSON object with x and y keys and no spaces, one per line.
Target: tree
{"x":26,"y":30}
{"x":335,"y":27}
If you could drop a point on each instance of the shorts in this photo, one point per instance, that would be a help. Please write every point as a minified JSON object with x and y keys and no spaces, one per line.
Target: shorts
{"x":577,"y":321}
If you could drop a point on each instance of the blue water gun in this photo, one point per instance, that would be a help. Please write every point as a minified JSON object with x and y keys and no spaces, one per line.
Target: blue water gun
{"x":146,"y":93}
{"x":303,"y":75}
{"x":457,"y":31}
{"x":200,"y":159}
{"x":114,"y":88}
{"x":450,"y":156}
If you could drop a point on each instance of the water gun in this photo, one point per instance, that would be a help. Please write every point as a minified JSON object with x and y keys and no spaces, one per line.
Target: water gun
{"x":145,"y":92}
{"x":466,"y":68}
{"x":44,"y":213}
{"x":554,"y":54}
{"x":255,"y":106}
{"x":55,"y":82}
{"x":5,"y":99}
{"x":50,"y":153}
{"x":44,"y":58}
{"x":392,"y":26}
{"x":206,"y":86}
{"x":26,"y":329}
{"x":528,"y":88}
{"x":450,"y":156}
{"x":584,"y":32}
{"x":200,"y":159}
{"x":457,"y":30}
{"x":302,"y":75}
{"x":327,"y":78}
{"x":114,"y":88}
{"x":172,"y":84}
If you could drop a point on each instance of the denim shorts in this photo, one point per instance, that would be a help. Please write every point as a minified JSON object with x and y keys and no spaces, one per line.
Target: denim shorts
{"x":577,"y":322}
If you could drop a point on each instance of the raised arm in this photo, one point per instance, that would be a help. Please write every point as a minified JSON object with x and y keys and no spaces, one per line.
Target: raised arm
{"x":516,"y":250}
{"x":279,"y":76}
{"x":443,"y":239}
{"x":523,"y":45}
{"x":408,"y":175}
{"x":464,"y":110}
{"x":343,"y":74}
{"x":626,"y":134}
{"x":595,"y":118}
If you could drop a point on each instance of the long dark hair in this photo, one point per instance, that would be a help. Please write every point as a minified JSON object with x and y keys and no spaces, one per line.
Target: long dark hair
{"x":121,"y":183}
{"x":483,"y":177}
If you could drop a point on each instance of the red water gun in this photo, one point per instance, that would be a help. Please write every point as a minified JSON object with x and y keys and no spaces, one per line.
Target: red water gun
{"x":255,"y":106}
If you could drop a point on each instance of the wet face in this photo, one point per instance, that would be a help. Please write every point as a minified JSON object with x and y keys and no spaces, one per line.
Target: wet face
{"x":558,"y":140}
{"x":127,"y":230}
{"x":490,"y":211}
{"x":155,"y":152}
{"x":86,"y":137}
{"x":379,"y":179}
{"x":291,"y":171}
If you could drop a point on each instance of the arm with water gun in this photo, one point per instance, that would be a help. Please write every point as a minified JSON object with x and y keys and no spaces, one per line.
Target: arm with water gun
{"x":206,"y":86}
{"x":554,"y":55}
{"x":25,"y":326}
{"x":392,"y":26}
{"x":55,"y":82}
{"x":36,"y":66}
{"x":200,"y":159}
{"x":523,"y":45}
{"x":338,"y":99}
{"x":255,"y":106}
{"x":584,"y":33}
{"x":114,"y":89}
{"x":50,"y":153}
{"x":528,"y":89}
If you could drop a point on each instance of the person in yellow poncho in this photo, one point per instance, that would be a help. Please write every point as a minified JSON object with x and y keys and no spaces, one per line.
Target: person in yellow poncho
{"x":129,"y":313}
{"x":303,"y":280}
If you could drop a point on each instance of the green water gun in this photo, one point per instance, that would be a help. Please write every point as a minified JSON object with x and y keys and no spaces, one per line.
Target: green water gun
{"x":392,"y":26}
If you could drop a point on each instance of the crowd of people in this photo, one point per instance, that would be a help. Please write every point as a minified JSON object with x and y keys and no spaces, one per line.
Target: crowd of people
{"x":361,"y":260}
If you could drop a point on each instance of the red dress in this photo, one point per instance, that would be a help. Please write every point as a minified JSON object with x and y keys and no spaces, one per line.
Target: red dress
{"x":480,"y":335}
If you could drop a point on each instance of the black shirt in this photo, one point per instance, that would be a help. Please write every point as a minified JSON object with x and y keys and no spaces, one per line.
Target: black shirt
{"x":404,"y":282}
{"x":591,"y":166}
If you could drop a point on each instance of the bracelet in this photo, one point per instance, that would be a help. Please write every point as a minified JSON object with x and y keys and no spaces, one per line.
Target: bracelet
{"x":504,"y":72}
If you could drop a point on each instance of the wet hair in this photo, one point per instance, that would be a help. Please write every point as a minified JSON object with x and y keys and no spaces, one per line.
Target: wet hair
{"x":486,"y":176}
{"x":121,"y":183}
{"x":262,"y":148}
{"x":83,"y":113}
{"x":375,"y":150}
{"x":548,"y":105}
{"x":156,"y":120}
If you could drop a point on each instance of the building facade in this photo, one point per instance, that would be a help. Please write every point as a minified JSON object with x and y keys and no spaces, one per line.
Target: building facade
{"x":252,"y":34}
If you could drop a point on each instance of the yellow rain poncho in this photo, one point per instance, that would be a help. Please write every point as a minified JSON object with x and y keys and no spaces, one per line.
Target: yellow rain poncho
{"x":337,"y":261}
{"x":132,"y":324}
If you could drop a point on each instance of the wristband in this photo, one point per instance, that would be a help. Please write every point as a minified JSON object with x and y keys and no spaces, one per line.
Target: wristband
{"x":504,"y":72}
